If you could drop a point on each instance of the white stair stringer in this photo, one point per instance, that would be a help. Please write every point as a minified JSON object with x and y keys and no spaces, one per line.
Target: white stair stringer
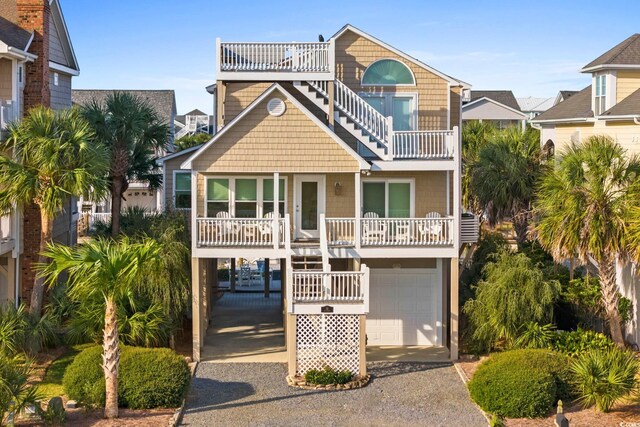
{"x":316,"y":94}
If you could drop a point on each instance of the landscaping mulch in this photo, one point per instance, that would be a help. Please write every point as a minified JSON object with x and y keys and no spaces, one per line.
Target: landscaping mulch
{"x":577,"y":416}
{"x":82,"y":418}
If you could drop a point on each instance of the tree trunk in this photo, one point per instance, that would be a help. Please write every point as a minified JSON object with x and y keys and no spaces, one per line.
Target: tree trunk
{"x":116,"y":205}
{"x":609,"y":289}
{"x":521,"y":227}
{"x":46,"y":236}
{"x":111,"y":359}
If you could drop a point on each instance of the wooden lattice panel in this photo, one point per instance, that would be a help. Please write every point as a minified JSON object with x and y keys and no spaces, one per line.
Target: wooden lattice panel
{"x":331,"y":340}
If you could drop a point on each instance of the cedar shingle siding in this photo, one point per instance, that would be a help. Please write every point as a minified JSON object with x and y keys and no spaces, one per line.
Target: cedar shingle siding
{"x":354,"y":54}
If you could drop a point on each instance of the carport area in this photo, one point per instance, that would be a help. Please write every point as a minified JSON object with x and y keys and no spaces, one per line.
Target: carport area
{"x":245,"y":327}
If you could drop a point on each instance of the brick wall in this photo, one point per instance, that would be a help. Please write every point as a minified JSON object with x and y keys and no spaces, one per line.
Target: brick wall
{"x":33,"y":15}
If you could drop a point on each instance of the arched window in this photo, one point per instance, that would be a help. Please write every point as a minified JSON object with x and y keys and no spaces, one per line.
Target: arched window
{"x":387,"y":72}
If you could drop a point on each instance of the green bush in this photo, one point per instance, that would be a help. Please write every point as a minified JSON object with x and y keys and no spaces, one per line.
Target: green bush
{"x":149,"y":378}
{"x":576,"y":342}
{"x":520,"y":383}
{"x":602,"y":377}
{"x":327,"y":376}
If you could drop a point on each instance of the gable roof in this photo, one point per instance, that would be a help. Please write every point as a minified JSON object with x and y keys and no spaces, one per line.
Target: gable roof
{"x":14,"y":36}
{"x":577,"y":107}
{"x":349,"y":27}
{"x":504,"y":97}
{"x":624,"y":55}
{"x":629,"y":107}
{"x":476,"y":102}
{"x":363,"y":163}
{"x":531,"y":103}
{"x":63,"y":33}
{"x":163,"y":101}
{"x":178,"y":153}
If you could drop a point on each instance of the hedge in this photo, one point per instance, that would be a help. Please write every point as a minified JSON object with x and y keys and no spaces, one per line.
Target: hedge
{"x":521,"y":383}
{"x":148,"y":378}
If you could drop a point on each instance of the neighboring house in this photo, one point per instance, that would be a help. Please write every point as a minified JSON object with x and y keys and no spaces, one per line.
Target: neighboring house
{"x":609,"y":106}
{"x":356,"y":146}
{"x":37,"y":64}
{"x":499,"y":107}
{"x":212,"y":90}
{"x":533,"y":107}
{"x":195,"y":121}
{"x":138,"y":194}
{"x":563,"y":95}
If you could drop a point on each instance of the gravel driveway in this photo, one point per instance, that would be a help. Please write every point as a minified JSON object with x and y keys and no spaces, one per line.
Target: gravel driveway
{"x":400,"y":394}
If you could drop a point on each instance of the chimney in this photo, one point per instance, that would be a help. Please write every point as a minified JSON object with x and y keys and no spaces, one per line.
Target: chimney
{"x":33,"y":16}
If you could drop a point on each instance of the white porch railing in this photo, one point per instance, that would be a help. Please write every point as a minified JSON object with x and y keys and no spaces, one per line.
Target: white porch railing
{"x":8,"y":112}
{"x":331,"y":286}
{"x":6,"y":227}
{"x":250,"y":232}
{"x":314,"y":57}
{"x":390,"y":231}
{"x":424,"y":144}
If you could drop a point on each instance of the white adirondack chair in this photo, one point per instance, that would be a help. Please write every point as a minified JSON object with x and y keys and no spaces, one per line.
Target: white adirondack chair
{"x":373,"y":231}
{"x":225,"y":229}
{"x":431,"y":228}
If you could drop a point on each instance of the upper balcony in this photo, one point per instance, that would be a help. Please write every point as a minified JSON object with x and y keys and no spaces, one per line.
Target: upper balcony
{"x":290,"y":61}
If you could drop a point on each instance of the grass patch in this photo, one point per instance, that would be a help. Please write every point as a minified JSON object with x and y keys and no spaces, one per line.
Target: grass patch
{"x":51,"y":384}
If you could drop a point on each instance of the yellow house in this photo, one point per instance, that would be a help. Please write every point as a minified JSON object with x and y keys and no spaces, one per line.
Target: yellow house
{"x":609,"y":106}
{"x":341,"y":159}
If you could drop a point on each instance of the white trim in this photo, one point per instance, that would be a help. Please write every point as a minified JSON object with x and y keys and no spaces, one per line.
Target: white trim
{"x":363,"y":163}
{"x":484,"y":98}
{"x":413,"y":165}
{"x":232,"y":192}
{"x":413,"y":76}
{"x":387,"y":181}
{"x":164,"y":188}
{"x":572,"y":120}
{"x":611,"y":67}
{"x":399,"y":53}
{"x":65,"y":35}
{"x":178,"y":153}
{"x":298,"y":179}
{"x":63,"y":69}
{"x":173,"y":191}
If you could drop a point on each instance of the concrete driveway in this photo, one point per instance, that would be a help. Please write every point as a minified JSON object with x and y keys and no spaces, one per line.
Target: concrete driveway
{"x":400,"y":394}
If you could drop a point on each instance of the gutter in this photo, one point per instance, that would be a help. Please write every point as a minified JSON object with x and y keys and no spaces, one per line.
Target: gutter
{"x":21,"y":53}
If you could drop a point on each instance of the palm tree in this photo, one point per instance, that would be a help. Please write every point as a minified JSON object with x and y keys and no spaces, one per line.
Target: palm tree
{"x":584,"y":207}
{"x":134,"y":133}
{"x":503,"y":179}
{"x":112,"y":270}
{"x":48,"y":157}
{"x":475,"y":135}
{"x":189,"y":141}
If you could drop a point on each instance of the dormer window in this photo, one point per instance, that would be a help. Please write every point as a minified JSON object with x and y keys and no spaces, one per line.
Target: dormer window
{"x":600,"y":104}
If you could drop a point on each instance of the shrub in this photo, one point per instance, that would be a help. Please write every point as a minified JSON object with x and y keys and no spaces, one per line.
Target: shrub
{"x":513,"y":293}
{"x":576,"y":342}
{"x":602,"y":377}
{"x":520,"y":383}
{"x":535,"y":335}
{"x":327,"y":376}
{"x":22,"y":332}
{"x":149,"y":378}
{"x":14,"y":384}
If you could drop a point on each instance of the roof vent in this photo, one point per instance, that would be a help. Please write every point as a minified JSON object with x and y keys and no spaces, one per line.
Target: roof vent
{"x":276,"y":107}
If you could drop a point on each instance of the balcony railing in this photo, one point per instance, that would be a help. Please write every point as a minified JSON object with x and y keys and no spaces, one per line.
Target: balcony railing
{"x":8,"y":112}
{"x":305,"y":60}
{"x":331,"y":286}
{"x":423,"y":144}
{"x":247,"y":232}
{"x":375,"y":232}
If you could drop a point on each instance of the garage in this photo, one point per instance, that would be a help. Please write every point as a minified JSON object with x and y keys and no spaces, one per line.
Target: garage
{"x":405,"y":307}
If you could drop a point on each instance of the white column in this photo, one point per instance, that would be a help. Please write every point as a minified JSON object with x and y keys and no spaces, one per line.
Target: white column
{"x":194,"y":210}
{"x":358,"y":210}
{"x":457,"y":200}
{"x":276,"y":211}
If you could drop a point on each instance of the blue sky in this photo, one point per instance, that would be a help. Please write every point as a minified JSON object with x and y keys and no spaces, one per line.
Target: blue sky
{"x":534,"y":48}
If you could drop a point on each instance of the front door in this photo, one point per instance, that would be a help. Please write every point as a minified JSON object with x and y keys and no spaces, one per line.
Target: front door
{"x":399,"y":105}
{"x":308,"y":204}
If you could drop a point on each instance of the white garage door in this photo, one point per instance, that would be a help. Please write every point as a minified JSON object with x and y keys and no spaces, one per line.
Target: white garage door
{"x":405,"y":307}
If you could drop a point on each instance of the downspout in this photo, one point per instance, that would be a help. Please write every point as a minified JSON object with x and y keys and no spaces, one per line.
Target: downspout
{"x":16,"y":252}
{"x":536,"y":126}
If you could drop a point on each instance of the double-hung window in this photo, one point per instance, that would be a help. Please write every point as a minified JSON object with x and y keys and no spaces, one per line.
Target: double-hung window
{"x":217,"y":196}
{"x":267,"y":197}
{"x":246,"y":197}
{"x":601,"y":94}
{"x":388,"y":199}
{"x":182,"y":190}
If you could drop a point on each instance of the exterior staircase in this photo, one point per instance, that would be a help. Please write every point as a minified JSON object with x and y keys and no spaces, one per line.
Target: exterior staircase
{"x":306,"y":263}
{"x":354,"y":114}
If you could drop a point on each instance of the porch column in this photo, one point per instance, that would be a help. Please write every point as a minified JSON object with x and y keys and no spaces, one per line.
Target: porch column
{"x":358,"y":210}
{"x":331,"y":92}
{"x":363,"y":345}
{"x":232,"y":275}
{"x":198,"y":306}
{"x":267,"y":279}
{"x":276,"y":211}
{"x":212,"y":284}
{"x":454,"y":309}
{"x":283,"y":287}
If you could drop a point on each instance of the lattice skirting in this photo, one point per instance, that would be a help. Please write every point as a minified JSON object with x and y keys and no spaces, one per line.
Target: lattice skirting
{"x":331,"y":340}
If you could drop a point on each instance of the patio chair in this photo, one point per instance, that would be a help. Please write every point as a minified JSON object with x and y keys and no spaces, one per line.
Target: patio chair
{"x":429,"y":229}
{"x":373,"y":231}
{"x":227,"y":230}
{"x":266,"y":227}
